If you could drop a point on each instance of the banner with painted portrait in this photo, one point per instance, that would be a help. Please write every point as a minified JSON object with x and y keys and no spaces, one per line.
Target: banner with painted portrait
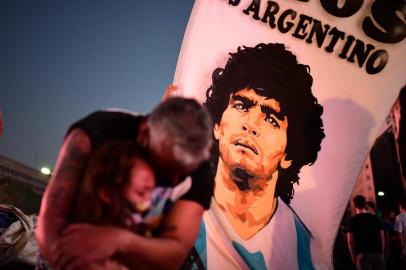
{"x":297,"y":91}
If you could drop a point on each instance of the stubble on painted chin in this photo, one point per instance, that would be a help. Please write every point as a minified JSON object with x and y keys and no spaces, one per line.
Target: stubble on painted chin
{"x":243,"y":179}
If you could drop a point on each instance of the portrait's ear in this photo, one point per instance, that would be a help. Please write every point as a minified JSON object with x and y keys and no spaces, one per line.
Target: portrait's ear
{"x":285,"y":163}
{"x":216,"y":131}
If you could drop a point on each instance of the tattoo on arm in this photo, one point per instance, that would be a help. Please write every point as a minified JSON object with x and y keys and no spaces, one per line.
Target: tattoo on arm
{"x":66,"y":179}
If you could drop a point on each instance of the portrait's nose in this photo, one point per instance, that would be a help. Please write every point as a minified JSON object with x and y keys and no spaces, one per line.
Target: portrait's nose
{"x":249,"y":129}
{"x":251,"y":124}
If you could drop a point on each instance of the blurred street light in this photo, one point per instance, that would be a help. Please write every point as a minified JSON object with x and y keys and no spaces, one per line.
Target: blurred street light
{"x":45,"y":170}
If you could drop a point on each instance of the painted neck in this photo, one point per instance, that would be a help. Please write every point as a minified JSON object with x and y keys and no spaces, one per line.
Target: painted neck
{"x":247,"y":210}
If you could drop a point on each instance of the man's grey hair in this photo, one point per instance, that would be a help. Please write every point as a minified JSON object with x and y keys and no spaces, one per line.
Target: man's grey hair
{"x":187,"y":125}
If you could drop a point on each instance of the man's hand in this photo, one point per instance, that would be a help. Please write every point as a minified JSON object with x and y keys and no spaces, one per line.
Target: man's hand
{"x":83,"y":244}
{"x":171,"y":91}
{"x":168,"y":250}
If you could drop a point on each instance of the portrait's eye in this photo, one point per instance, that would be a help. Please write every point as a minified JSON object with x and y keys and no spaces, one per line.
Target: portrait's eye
{"x":240,"y":107}
{"x":270,"y":119}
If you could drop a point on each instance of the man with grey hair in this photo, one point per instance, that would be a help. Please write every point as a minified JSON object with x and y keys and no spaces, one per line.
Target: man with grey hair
{"x":188,"y":135}
{"x":177,"y":138}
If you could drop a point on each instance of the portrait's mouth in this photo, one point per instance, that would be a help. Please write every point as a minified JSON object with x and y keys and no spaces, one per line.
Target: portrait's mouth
{"x":247,"y":145}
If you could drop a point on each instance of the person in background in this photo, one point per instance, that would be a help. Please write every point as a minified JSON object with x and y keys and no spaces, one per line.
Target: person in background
{"x":400,"y":228}
{"x":366,"y":240}
{"x":392,"y":244}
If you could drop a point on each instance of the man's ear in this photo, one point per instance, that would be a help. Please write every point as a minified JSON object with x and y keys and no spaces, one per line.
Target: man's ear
{"x":285,"y":163}
{"x":143,"y":134}
{"x":216,"y":131}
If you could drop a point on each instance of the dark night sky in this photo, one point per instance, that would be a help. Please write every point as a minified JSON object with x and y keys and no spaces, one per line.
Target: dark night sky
{"x":60,"y":60}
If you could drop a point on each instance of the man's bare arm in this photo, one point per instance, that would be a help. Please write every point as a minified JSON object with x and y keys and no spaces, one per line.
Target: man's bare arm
{"x":167,"y":251}
{"x":58,"y":197}
{"x":170,"y":250}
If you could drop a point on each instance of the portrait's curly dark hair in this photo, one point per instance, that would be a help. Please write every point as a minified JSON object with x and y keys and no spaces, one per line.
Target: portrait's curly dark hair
{"x":274,"y":72}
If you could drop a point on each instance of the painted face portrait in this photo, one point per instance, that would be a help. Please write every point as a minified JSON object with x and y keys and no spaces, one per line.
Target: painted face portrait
{"x":252,"y":137}
{"x":267,"y":121}
{"x":267,"y":126}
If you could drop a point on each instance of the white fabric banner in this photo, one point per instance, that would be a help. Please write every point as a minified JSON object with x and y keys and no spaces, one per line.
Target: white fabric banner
{"x":356,"y":55}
